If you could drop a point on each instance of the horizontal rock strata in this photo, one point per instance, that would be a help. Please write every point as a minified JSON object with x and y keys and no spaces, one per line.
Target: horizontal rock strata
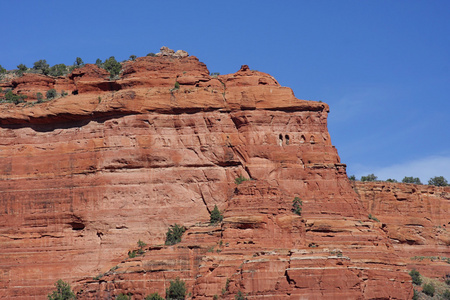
{"x":86,"y":176}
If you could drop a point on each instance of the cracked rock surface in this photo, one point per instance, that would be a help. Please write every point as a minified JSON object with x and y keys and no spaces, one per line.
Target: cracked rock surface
{"x":87,"y":176}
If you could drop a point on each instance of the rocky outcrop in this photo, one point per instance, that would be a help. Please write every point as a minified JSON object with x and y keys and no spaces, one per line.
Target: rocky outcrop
{"x":87,"y":176}
{"x":415,"y":219}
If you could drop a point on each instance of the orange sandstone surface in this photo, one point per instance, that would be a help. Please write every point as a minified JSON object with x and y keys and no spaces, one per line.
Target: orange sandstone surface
{"x":415,"y":219}
{"x":86,"y":176}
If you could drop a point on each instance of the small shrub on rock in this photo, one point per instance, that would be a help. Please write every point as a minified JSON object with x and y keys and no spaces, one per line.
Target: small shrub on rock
{"x":446,"y":295}
{"x":13,"y":98}
{"x":240,"y":296}
{"x":438,"y":181}
{"x":176,"y":290}
{"x":428,"y":289}
{"x":173,"y":235}
{"x":21,"y":69}
{"x":78,"y":62}
{"x":42,"y":66}
{"x":99,"y":63}
{"x":415,"y":276}
{"x":373,"y":218}
{"x":112,"y":66}
{"x":132,"y":254}
{"x":123,"y":297}
{"x":51,"y":94}
{"x":39,"y":97}
{"x":370,"y":177}
{"x":154,"y":296}
{"x":297,"y":206}
{"x":63,"y":292}
{"x":216,"y":216}
{"x":58,"y":70}
{"x":240,"y":179}
{"x":414,"y":180}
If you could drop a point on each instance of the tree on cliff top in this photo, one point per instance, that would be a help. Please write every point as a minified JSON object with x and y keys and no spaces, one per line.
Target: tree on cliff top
{"x":21,"y":69}
{"x":370,"y":177}
{"x":63,"y":292}
{"x":78,"y":62}
{"x":438,"y":181}
{"x":42,"y":66}
{"x":411,"y":179}
{"x":112,"y":66}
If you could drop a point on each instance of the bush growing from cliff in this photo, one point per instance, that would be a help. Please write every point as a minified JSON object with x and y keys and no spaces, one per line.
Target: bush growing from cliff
{"x":176,"y":87}
{"x":112,"y":66}
{"x":415,"y":276}
{"x":51,"y":94}
{"x":58,"y":70}
{"x":240,"y":296}
{"x":173,"y":235}
{"x":63,"y":292}
{"x":297,"y":206}
{"x":42,"y":66}
{"x":10,"y":97}
{"x":446,"y":295}
{"x":215,"y":216}
{"x":39,"y":97}
{"x":122,"y":296}
{"x":438,"y":181}
{"x":240,"y":179}
{"x":373,"y":218}
{"x":370,"y":177}
{"x":414,"y":180}
{"x":154,"y":296}
{"x":2,"y":70}
{"x":99,"y":63}
{"x":391,"y":180}
{"x":352,"y":177}
{"x":21,"y":69}
{"x":78,"y":62}
{"x":428,"y":289}
{"x":176,"y":290}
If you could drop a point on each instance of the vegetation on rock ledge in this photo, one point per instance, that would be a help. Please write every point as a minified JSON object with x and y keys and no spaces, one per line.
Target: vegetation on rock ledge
{"x":173,"y":235}
{"x":63,"y":292}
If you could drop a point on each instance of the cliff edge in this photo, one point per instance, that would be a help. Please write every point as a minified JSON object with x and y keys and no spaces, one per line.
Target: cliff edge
{"x":87,"y":176}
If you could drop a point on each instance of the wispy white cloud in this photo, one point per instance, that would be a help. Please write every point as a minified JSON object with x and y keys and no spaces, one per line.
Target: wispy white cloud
{"x":426,"y":168}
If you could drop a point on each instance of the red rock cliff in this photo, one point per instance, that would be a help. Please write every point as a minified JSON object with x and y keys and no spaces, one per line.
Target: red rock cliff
{"x":415,"y":219}
{"x":86,"y":176}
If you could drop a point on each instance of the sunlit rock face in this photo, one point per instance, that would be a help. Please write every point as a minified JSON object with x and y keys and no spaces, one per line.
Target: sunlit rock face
{"x":86,"y":176}
{"x":415,"y":219}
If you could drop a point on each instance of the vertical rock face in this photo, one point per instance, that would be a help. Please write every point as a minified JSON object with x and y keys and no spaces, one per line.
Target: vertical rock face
{"x":85,"y":177}
{"x":415,"y":219}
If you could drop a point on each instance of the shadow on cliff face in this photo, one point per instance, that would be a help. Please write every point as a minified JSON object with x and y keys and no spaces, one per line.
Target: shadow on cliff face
{"x":63,"y":122}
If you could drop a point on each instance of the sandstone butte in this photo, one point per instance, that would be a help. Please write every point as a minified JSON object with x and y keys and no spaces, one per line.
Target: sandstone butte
{"x":84,"y":177}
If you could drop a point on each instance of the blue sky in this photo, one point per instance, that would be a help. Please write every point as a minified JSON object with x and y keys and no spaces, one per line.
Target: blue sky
{"x":382,"y":66}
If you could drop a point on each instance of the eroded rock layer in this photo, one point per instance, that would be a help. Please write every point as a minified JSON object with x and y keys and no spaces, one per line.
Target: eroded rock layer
{"x":415,"y":219}
{"x":84,"y":177}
